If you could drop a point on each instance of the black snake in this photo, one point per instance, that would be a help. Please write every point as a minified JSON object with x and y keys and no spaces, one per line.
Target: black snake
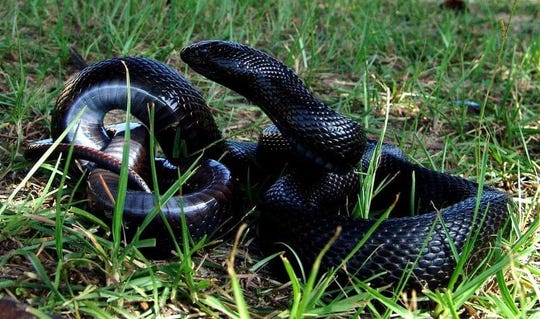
{"x":326,"y":155}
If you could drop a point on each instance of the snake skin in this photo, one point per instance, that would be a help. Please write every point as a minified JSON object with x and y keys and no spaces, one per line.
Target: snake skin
{"x":182,"y":118}
{"x":302,"y":210}
{"x":184,"y":127}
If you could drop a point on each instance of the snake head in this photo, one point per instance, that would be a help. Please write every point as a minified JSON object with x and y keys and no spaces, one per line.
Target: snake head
{"x":209,"y":58}
{"x":238,"y":67}
{"x":250,"y":72}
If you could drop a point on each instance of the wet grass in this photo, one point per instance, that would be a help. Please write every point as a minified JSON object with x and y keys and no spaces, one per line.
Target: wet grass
{"x":406,"y":62}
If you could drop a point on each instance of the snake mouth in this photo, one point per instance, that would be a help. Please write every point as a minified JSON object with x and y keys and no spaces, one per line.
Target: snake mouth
{"x":207,"y":50}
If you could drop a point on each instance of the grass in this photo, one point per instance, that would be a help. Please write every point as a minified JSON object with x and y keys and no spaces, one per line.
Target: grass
{"x":359,"y":57}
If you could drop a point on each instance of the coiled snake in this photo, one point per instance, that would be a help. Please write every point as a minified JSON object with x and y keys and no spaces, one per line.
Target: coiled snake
{"x":326,"y":152}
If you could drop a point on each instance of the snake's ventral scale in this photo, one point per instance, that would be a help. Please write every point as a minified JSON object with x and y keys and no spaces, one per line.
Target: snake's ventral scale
{"x":325,"y":152}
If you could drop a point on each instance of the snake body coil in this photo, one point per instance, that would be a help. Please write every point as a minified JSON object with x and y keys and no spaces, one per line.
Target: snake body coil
{"x":183,"y":127}
{"x":306,"y":206}
{"x":302,"y":210}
